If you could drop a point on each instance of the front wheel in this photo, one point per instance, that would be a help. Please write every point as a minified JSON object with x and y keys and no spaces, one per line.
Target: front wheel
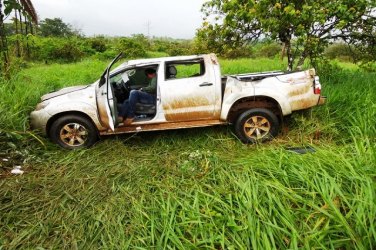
{"x":257,"y":125}
{"x":73,"y":132}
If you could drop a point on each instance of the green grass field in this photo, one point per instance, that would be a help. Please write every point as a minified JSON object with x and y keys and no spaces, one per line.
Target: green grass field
{"x":197,"y":188}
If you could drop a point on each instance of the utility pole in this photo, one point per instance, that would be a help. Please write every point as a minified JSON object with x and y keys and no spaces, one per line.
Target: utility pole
{"x":148,"y":27}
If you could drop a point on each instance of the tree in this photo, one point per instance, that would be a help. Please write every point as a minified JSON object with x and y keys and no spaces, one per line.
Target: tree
{"x":55,"y":27}
{"x":304,"y":27}
{"x":362,"y":35}
{"x":133,"y":47}
{"x":25,"y":8}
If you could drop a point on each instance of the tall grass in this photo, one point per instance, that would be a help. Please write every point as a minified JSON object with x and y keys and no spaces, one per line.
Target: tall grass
{"x":197,"y":188}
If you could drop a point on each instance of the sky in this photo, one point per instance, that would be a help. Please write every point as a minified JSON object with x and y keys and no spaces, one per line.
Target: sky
{"x":161,"y":18}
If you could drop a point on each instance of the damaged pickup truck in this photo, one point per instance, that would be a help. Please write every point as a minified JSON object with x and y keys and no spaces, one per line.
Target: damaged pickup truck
{"x":191,"y":92}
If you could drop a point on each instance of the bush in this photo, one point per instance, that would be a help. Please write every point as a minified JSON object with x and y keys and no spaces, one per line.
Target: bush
{"x":131,"y":47}
{"x":179,"y":48}
{"x":67,"y":52}
{"x":269,"y":50}
{"x":240,"y":52}
{"x":108,"y":54}
{"x":342,"y":52}
{"x":98,"y":44}
{"x":368,"y":66}
{"x":160,"y":45}
{"x":57,"y":49}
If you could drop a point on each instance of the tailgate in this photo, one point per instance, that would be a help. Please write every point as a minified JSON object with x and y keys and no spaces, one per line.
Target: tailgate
{"x":303,"y":89}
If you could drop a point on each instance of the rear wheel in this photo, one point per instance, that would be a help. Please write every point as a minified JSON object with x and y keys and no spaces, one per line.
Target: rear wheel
{"x":73,"y":132}
{"x":257,"y":125}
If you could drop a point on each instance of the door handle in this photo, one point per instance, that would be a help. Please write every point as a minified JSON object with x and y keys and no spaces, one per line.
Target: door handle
{"x":206,"y":84}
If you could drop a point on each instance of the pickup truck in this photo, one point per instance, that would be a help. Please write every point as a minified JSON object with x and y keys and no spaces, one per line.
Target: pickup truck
{"x":191,"y":92}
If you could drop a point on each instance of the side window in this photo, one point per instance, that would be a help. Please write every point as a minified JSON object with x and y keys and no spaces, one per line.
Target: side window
{"x":139,"y":78}
{"x":184,"y":69}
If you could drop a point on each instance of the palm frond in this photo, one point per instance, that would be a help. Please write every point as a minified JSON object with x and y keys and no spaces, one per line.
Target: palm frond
{"x":29,"y":9}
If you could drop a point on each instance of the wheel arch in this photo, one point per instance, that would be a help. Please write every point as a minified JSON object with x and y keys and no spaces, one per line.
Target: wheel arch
{"x":247,"y":103}
{"x":61,"y":114}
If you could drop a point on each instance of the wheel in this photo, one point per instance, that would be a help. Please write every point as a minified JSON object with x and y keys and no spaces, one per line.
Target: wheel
{"x":73,"y":132}
{"x":257,"y":125}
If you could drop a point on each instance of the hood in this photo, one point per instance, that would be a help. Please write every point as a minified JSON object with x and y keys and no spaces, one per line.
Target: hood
{"x":63,"y":92}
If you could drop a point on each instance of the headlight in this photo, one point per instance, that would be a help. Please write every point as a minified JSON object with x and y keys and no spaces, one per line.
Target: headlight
{"x":41,"y":105}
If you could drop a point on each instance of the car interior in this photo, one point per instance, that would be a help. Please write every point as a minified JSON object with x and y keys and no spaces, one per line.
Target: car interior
{"x":133,"y":79}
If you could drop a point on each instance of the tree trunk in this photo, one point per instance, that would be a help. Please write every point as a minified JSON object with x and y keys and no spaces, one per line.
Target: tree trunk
{"x":285,"y":37}
{"x":4,"y":60}
{"x":17,"y":34}
{"x":21,"y":26}
{"x":302,"y":59}
{"x":27,"y":38}
{"x":31,"y":28}
{"x":290,"y":58}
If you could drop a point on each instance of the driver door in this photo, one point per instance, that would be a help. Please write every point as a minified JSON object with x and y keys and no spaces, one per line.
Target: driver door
{"x":106,"y":99}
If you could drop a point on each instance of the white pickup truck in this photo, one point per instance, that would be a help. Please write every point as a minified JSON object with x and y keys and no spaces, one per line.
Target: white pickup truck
{"x":191,"y":92}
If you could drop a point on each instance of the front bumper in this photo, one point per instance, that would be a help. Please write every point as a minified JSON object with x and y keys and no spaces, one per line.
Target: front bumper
{"x":39,"y":119}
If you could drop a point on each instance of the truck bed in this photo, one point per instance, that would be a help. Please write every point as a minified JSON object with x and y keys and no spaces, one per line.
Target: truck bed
{"x":254,"y":76}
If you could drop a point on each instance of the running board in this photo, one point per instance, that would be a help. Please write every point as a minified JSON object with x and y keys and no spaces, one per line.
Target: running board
{"x":133,"y":128}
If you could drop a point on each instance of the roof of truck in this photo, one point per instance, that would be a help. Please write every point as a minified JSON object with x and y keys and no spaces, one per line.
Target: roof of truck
{"x":163,"y":59}
{"x":158,"y":60}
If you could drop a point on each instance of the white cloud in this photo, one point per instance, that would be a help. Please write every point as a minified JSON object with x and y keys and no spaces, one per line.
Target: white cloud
{"x":171,"y":18}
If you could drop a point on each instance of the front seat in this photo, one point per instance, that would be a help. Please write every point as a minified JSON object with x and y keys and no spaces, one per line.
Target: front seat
{"x":171,"y":72}
{"x":145,"y":109}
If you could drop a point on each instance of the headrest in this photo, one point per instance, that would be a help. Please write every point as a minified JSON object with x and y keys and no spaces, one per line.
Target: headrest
{"x":172,"y":70}
{"x":150,"y":71}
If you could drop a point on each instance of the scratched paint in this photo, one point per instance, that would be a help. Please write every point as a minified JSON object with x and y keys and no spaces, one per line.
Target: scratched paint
{"x":163,"y":126}
{"x":188,"y":115}
{"x":191,"y":101}
{"x":304,"y":102}
{"x":297,"y":90}
{"x":190,"y":108}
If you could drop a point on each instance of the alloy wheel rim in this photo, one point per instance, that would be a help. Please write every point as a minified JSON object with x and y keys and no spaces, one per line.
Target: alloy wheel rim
{"x":73,"y":134}
{"x":257,"y":127}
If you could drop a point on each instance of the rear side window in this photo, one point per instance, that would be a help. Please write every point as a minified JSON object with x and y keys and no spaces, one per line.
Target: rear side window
{"x":185,"y":69}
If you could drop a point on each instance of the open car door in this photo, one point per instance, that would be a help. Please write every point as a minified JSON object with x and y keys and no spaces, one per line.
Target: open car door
{"x":107,"y":104}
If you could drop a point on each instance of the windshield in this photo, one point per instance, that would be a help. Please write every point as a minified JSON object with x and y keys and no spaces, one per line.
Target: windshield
{"x":121,"y":77}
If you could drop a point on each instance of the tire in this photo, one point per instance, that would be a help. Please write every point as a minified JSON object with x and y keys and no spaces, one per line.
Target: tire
{"x":73,"y":132}
{"x":257,"y":125}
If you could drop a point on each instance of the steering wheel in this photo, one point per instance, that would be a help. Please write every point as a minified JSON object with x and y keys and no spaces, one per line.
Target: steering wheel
{"x":125,"y":86}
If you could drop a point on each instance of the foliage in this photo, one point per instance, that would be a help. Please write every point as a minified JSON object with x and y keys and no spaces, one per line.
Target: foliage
{"x":9,"y":29}
{"x":172,"y":47}
{"x":57,"y":49}
{"x":131,"y":47}
{"x":268,"y":49}
{"x":179,"y":48}
{"x":342,"y":51}
{"x":22,"y":7}
{"x":99,"y":44}
{"x":26,"y":6}
{"x":209,"y":40}
{"x":311,"y":24}
{"x":55,"y":27}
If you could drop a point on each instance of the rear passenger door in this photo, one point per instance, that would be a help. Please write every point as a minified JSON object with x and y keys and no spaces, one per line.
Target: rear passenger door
{"x":188,"y":91}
